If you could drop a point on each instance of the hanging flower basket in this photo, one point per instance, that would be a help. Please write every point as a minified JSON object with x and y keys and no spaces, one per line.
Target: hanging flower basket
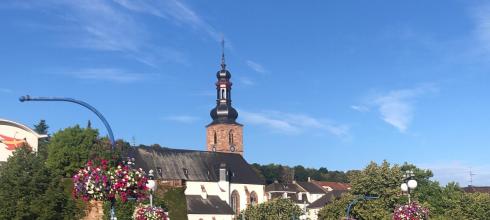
{"x":127,"y":183}
{"x":412,"y":211}
{"x":102,"y":183}
{"x":91,"y":183}
{"x":145,"y":212}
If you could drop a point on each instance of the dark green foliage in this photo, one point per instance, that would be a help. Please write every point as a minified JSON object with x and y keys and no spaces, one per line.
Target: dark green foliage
{"x":122,"y":210}
{"x":277,"y":209}
{"x":42,"y":147}
{"x":29,"y":190}
{"x":272,"y":172}
{"x":173,"y":200}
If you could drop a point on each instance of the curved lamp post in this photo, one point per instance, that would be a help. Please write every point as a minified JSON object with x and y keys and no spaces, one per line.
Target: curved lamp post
{"x":409,"y":183}
{"x":353,"y":202}
{"x":82,"y":103}
{"x":86,"y":105}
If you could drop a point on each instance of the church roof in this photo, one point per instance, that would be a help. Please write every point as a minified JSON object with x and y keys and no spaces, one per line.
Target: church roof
{"x":192,"y":165}
{"x":211,"y":205}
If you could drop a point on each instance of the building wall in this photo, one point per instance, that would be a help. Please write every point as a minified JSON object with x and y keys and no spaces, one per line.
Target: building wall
{"x":222,"y":138}
{"x":224,"y":189}
{"x":240,"y":188}
{"x":208,"y":217}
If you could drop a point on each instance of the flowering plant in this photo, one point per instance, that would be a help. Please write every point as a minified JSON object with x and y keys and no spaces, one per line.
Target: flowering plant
{"x":101,"y":183}
{"x":146,"y":212}
{"x":127,"y":183}
{"x":412,"y":211}
{"x":91,"y":183}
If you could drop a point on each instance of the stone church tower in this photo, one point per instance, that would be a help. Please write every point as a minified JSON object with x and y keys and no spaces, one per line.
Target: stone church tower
{"x":224,"y":134}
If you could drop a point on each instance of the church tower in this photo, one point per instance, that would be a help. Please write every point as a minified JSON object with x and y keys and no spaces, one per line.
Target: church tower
{"x":224,"y":134}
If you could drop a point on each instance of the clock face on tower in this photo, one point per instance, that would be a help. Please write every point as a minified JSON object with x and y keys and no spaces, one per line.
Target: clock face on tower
{"x":232,"y":148}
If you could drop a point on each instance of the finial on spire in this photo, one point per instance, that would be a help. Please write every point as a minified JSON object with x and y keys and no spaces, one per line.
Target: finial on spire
{"x":223,"y":65}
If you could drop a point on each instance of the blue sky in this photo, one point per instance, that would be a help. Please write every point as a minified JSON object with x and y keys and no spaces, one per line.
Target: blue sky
{"x":324,"y":83}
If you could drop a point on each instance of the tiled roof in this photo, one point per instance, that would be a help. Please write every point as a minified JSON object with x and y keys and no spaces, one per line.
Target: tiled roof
{"x":312,"y":188}
{"x":283,"y":187}
{"x":211,"y":205}
{"x":191,"y":165}
{"x":333,"y":185}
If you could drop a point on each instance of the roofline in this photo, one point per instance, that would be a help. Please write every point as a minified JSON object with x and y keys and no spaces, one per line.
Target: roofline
{"x":24,"y":127}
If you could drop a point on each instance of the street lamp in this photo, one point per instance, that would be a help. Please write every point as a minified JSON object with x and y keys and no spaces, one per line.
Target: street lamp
{"x":151,"y":184}
{"x":409,"y":183}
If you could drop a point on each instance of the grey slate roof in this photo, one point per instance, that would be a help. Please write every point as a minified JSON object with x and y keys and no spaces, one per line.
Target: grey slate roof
{"x":325,"y":199}
{"x":283,"y":187}
{"x":212,"y":205}
{"x":312,"y":188}
{"x":192,"y":165}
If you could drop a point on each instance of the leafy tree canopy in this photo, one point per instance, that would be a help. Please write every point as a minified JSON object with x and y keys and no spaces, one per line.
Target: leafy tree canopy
{"x":277,"y":209}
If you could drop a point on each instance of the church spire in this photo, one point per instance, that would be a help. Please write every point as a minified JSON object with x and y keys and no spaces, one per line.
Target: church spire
{"x":223,"y":65}
{"x":223,"y":112}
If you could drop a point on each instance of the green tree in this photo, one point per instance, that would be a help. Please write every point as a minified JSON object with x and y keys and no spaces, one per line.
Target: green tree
{"x":277,"y":209}
{"x":70,"y":149}
{"x":29,"y":190}
{"x":42,"y":147}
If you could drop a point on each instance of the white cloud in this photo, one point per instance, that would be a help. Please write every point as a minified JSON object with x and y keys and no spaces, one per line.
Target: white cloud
{"x":5,"y":90}
{"x":172,"y":10}
{"x":246,"y":81}
{"x":107,"y":74}
{"x":397,"y":107}
{"x":186,"y":119}
{"x":103,"y":26}
{"x":359,"y":108}
{"x":289,"y":123}
{"x":457,"y":171}
{"x":482,"y":19}
{"x":256,"y":66}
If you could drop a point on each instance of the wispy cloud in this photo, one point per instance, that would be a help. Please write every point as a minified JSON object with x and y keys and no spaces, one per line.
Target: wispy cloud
{"x":107,"y":74}
{"x":246,"y":81}
{"x":457,"y":171}
{"x":256,"y":66}
{"x":289,"y":123}
{"x":103,"y":26}
{"x":359,"y":108}
{"x":397,"y":107}
{"x":173,"y":10}
{"x":482,"y":20}
{"x":186,"y":119}
{"x":5,"y":90}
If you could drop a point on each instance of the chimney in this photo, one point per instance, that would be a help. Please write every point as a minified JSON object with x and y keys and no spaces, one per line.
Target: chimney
{"x":222,"y":172}
{"x":309,"y":179}
{"x":204,"y":193}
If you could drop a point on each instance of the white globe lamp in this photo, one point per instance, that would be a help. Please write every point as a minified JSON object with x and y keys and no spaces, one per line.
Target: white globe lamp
{"x":404,"y":187}
{"x":412,"y":184}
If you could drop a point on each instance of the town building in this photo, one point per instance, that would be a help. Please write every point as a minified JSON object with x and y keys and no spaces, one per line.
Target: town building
{"x":14,"y":135}
{"x":310,"y":196}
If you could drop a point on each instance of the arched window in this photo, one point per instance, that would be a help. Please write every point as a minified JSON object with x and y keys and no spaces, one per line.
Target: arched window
{"x":235,"y":202}
{"x":223,"y":93}
{"x":215,"y":138}
{"x":230,"y":137}
{"x":253,"y":198}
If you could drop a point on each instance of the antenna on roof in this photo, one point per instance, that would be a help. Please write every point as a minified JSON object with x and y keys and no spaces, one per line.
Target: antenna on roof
{"x":471,"y":177}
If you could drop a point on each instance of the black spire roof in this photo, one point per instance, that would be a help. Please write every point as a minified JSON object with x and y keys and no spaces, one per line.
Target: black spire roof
{"x":223,"y":113}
